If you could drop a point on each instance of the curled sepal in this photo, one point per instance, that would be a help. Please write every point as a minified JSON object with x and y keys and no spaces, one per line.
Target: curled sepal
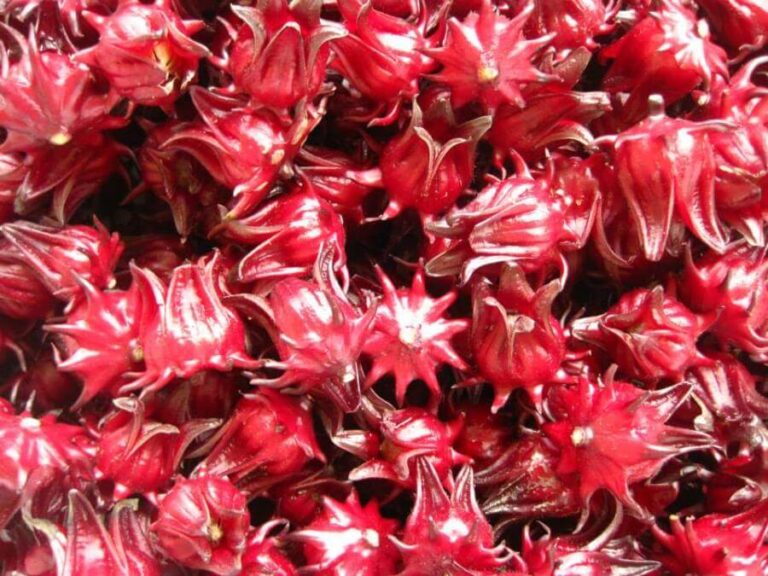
{"x":612,"y":434}
{"x":411,"y":338}
{"x":243,"y":149}
{"x":648,"y":333}
{"x":517,"y":341}
{"x":185,"y":327}
{"x":523,"y":483}
{"x":47,"y":97}
{"x":448,"y":534}
{"x":279,"y":51}
{"x":732,"y":285}
{"x":59,"y":255}
{"x":368,"y":550}
{"x":262,"y":554}
{"x":716,"y":543}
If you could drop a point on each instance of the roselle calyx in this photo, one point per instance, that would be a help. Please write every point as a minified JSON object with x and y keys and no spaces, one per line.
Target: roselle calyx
{"x":731,"y":286}
{"x":611,"y":434}
{"x":319,"y":335}
{"x":185,"y":327}
{"x":202,"y":523}
{"x":716,"y":543}
{"x":486,"y":58}
{"x":406,"y":435}
{"x":368,"y":550}
{"x":99,"y":340}
{"x":288,"y":235}
{"x":141,"y":455}
{"x":268,"y":437}
{"x":448,"y":534}
{"x":649,"y":334}
{"x":145,"y":51}
{"x":680,"y":185}
{"x":516,"y":340}
{"x":430,"y":164}
{"x":279,"y":52}
{"x":59,"y":255}
{"x":410,"y":337}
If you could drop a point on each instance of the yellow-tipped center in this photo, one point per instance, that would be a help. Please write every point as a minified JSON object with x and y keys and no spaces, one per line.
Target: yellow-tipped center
{"x":163,"y":55}
{"x":581,"y":435}
{"x":215,"y":533}
{"x":487,"y":73}
{"x":60,"y":138}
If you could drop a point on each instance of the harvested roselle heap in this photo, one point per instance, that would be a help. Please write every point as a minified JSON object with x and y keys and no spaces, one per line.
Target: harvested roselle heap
{"x":384,"y":287}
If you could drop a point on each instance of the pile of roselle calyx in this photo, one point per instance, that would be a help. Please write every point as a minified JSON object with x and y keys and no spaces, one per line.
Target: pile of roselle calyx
{"x":383,"y":287}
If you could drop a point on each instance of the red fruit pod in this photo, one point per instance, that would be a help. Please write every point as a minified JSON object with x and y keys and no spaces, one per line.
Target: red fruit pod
{"x":487,"y":59}
{"x":547,"y":120}
{"x":367,"y":549}
{"x":649,"y":334}
{"x":177,"y":178}
{"x":185,"y":327}
{"x":733,"y":287}
{"x":33,"y":446}
{"x":268,"y":437}
{"x":338,"y":179}
{"x":448,"y":534}
{"x":47,"y":97}
{"x":740,"y":24}
{"x":680,"y":185}
{"x":430,"y":164}
{"x":22,"y":295}
{"x":733,"y":409}
{"x":668,"y":52}
{"x":573,"y":24}
{"x":243,"y":149}
{"x":410,"y":337}
{"x":408,"y":434}
{"x":716,"y":543}
{"x":140,"y":455}
{"x":516,"y":340}
{"x":612,"y":434}
{"x":85,"y":546}
{"x":319,"y":336}
{"x":202,"y":523}
{"x":289,"y":233}
{"x":279,"y":53}
{"x":381,"y":56}
{"x":523,"y":483}
{"x":484,"y":436}
{"x":65,"y":176}
{"x":58,"y":256}
{"x":520,"y":220}
{"x":145,"y":51}
{"x":100,"y":340}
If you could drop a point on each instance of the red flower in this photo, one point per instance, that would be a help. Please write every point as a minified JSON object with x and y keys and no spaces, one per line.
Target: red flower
{"x":202,"y":523}
{"x":612,"y":435}
{"x":410,"y":338}
{"x":486,"y":58}
{"x":516,"y":340}
{"x":145,"y":51}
